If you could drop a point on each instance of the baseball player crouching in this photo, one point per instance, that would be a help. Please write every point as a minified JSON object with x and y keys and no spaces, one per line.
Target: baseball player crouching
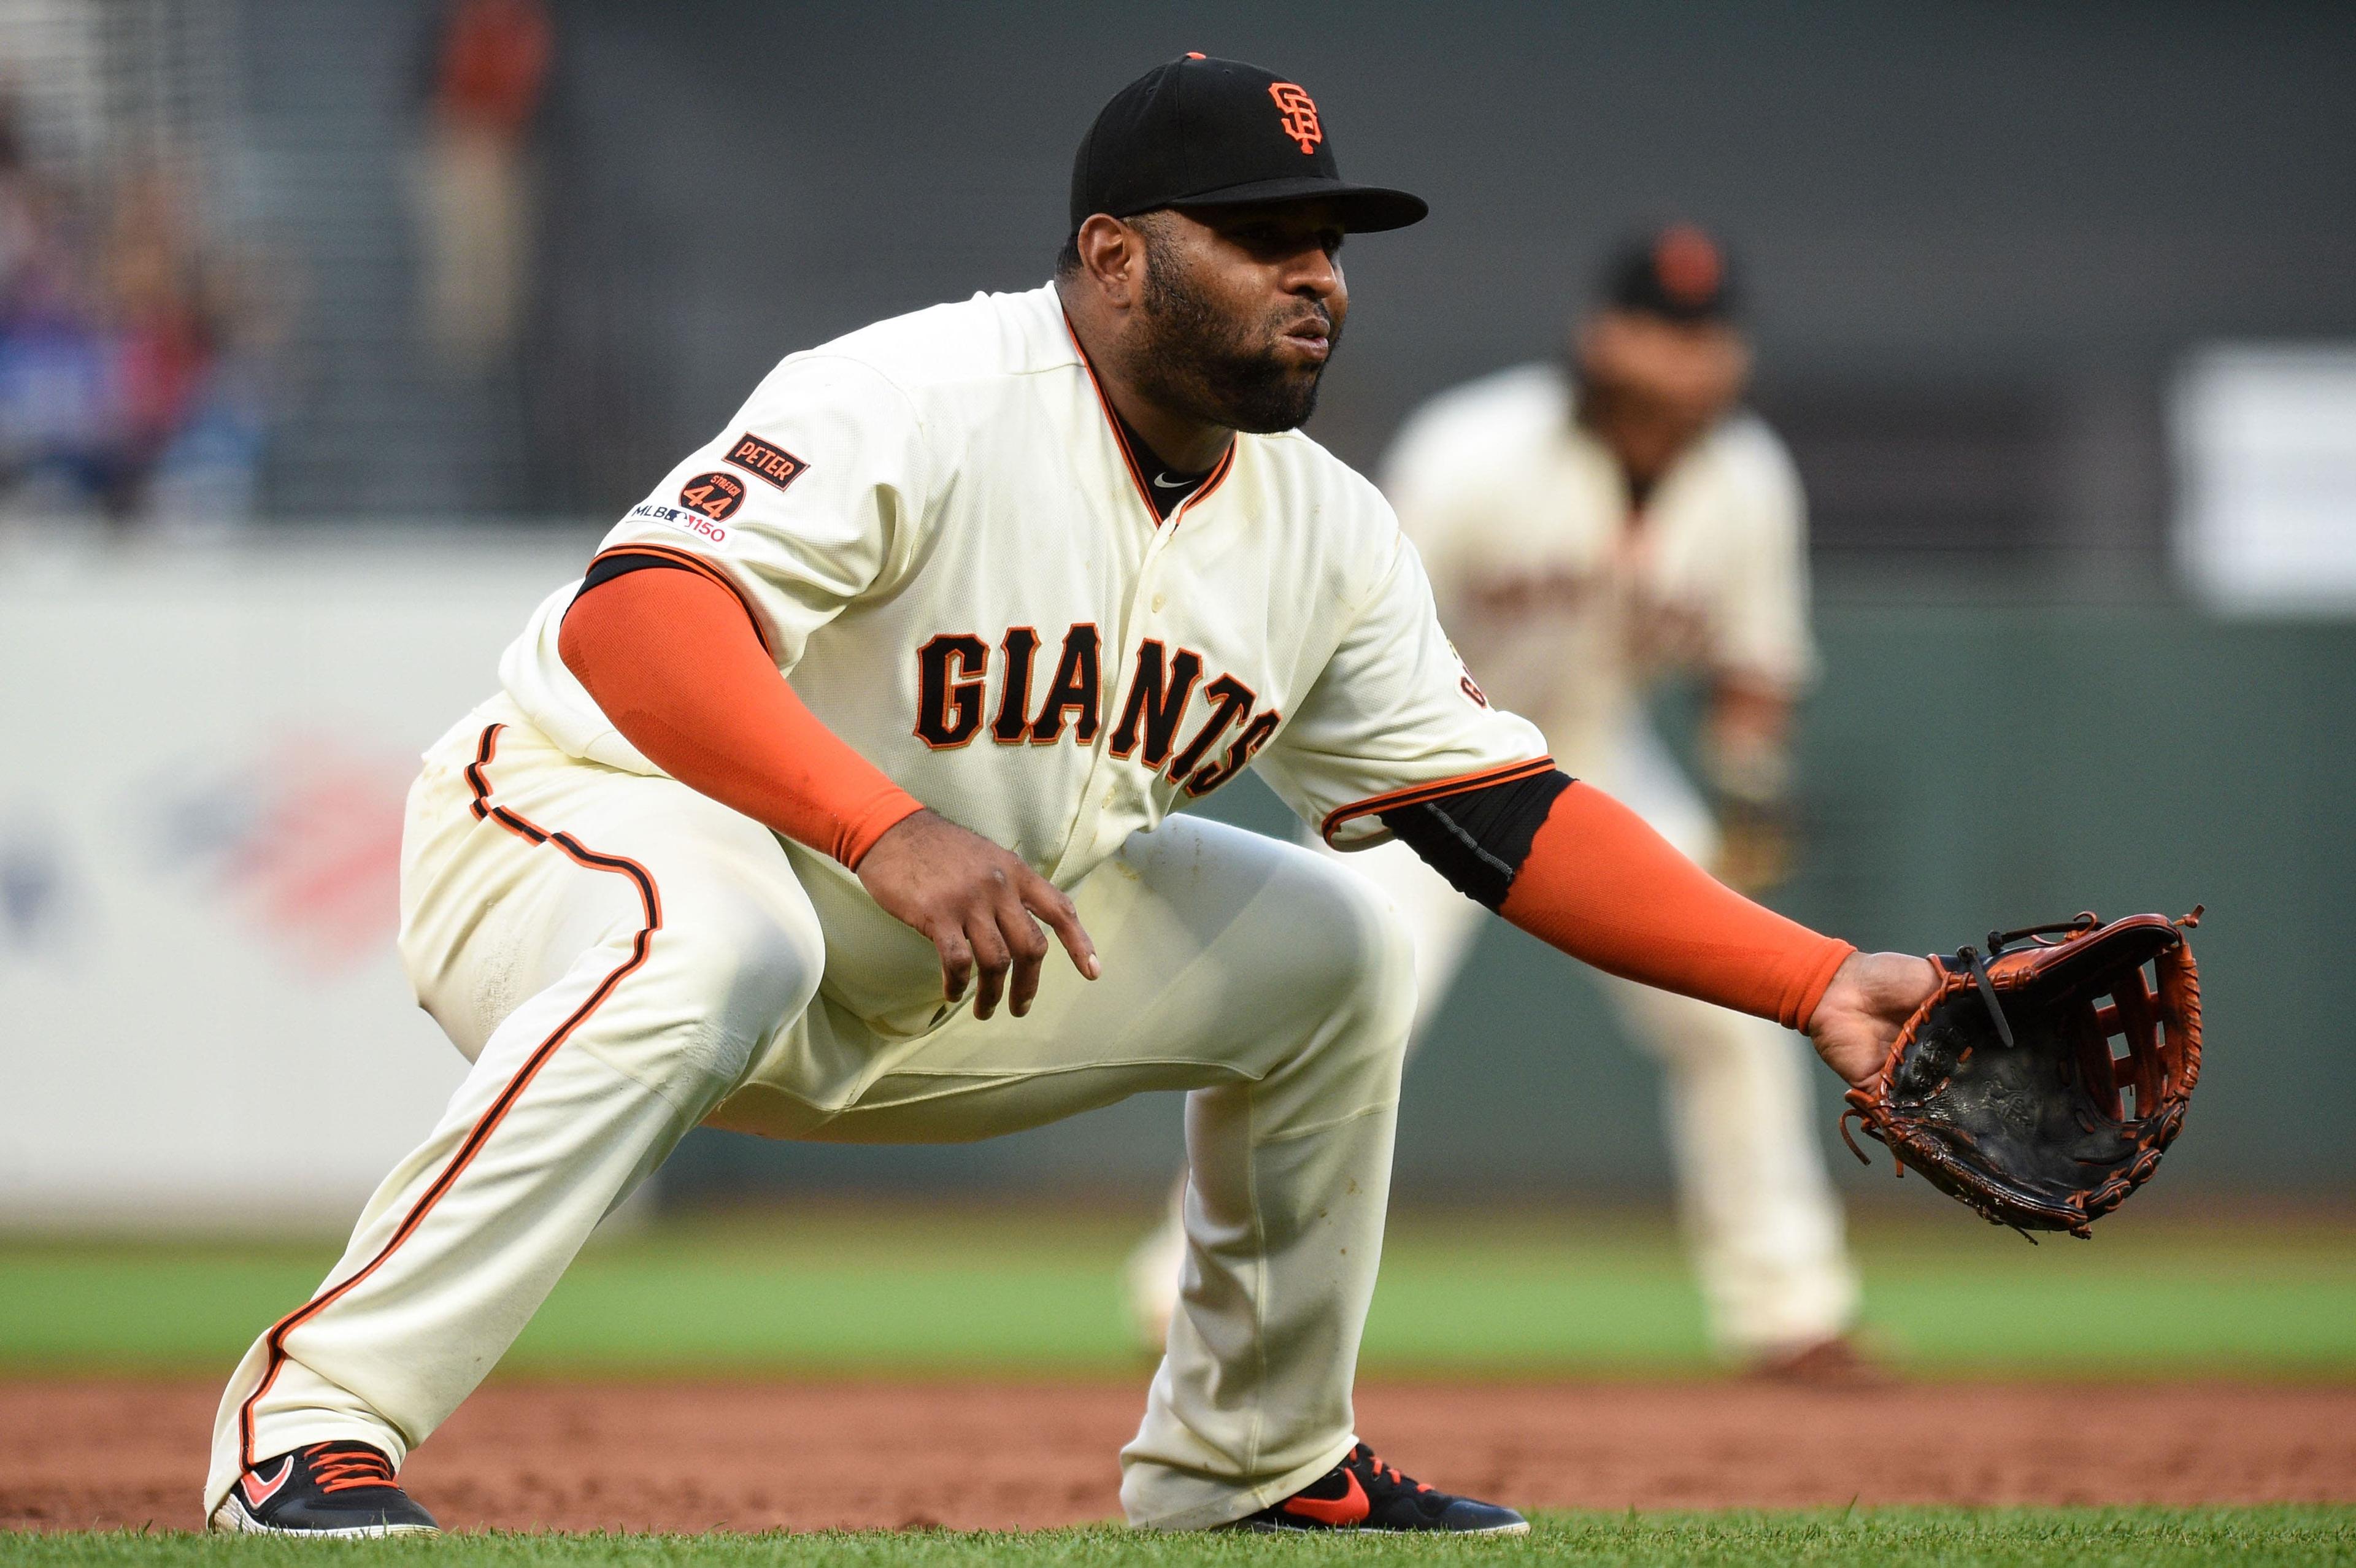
{"x":1589,"y":528}
{"x":1040,"y":568}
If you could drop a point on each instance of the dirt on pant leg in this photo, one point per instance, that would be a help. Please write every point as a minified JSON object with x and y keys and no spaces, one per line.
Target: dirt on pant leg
{"x":528,"y":1455}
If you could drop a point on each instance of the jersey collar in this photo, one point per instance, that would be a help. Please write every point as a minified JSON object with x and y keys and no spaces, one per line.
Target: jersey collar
{"x":1211,"y":481}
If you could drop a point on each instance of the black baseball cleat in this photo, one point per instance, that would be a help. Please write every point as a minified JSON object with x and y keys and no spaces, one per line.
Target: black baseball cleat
{"x":328,"y":1488}
{"x":1363,"y":1496}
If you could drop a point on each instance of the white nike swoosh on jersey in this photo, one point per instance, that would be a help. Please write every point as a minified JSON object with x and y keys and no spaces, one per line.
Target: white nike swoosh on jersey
{"x":1161,"y":484}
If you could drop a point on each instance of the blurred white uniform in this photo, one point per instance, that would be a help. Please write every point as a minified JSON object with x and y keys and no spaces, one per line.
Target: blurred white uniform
{"x":1567,"y":610}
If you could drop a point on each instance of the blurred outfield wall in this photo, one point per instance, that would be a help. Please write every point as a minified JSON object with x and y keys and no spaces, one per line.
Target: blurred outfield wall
{"x":202,"y":754}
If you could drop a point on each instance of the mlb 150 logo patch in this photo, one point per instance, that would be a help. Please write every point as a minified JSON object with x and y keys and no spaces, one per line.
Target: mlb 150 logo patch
{"x":715,"y":494}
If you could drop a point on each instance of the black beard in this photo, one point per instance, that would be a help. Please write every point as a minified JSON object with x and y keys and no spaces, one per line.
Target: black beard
{"x":1197,"y":362}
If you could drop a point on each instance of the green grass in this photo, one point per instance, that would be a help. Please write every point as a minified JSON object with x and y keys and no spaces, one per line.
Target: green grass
{"x":1882,"y":1536}
{"x":1022,"y":1290}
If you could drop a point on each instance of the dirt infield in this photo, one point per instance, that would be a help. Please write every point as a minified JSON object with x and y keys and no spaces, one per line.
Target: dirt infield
{"x":971,"y":1454}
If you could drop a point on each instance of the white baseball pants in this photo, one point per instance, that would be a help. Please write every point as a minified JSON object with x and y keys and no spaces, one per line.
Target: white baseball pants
{"x":622,"y":959}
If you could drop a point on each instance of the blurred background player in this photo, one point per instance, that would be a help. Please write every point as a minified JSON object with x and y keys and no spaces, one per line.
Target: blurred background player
{"x":476,"y":184}
{"x":1592,"y":527}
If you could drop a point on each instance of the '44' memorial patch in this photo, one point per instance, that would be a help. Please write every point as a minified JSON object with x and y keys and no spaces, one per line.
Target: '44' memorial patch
{"x":715,"y":494}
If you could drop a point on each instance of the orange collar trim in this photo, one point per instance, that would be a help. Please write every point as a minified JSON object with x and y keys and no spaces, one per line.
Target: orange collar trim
{"x":1211,"y":481}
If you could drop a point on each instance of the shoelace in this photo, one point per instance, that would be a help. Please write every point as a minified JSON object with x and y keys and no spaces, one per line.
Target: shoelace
{"x":1389,"y":1472}
{"x":349,"y":1470}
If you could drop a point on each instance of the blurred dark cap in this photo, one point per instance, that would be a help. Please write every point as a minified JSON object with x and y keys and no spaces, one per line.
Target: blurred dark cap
{"x":1201,"y":132}
{"x":1677,"y":272}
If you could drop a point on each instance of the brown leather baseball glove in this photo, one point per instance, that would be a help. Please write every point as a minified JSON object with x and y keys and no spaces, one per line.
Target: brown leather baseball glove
{"x":2041,"y":1084}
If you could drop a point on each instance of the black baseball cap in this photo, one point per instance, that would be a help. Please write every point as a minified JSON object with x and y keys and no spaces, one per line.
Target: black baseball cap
{"x":1677,"y":270}
{"x":1200,"y":133}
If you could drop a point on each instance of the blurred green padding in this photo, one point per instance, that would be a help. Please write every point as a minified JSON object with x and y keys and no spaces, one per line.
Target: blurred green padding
{"x":1024,"y":1291}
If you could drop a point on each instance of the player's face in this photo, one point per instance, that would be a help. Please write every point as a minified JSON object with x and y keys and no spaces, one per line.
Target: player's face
{"x":1242,"y":308}
{"x":1650,"y":388}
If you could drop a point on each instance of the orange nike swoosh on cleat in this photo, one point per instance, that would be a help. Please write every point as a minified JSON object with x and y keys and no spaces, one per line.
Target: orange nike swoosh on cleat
{"x":258,"y":1492}
{"x":1348,"y":1508}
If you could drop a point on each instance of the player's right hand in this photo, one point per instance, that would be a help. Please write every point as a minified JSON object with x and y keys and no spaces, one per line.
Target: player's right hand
{"x":975,"y":902}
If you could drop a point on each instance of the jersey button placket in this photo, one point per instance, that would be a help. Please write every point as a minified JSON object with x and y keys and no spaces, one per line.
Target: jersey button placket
{"x":1099,"y":794}
{"x":1106,"y":786}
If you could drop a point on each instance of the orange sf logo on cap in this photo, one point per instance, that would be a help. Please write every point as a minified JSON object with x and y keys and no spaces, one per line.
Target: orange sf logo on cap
{"x":1300,"y":115}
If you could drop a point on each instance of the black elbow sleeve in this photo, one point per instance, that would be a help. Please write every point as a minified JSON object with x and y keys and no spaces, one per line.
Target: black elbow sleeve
{"x":1479,"y":839}
{"x":615,"y":563}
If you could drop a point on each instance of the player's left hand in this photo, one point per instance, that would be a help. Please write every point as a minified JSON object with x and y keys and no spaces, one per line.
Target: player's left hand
{"x":1870,"y":998}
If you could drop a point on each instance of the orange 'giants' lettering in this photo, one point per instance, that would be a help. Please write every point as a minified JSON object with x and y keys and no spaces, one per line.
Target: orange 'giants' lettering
{"x":959,"y":684}
{"x":1231,"y":701}
{"x":1239,"y":754}
{"x":1022,"y":649}
{"x":1157,"y":701}
{"x":1072,"y":690}
{"x":949,"y":674}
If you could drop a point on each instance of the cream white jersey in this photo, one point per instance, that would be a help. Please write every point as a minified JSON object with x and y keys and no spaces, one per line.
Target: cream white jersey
{"x":1566,"y":603}
{"x":945,"y":547}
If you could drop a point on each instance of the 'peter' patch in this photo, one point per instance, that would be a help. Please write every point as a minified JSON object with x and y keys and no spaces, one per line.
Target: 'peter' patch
{"x":715,"y":494}
{"x":771,"y":461}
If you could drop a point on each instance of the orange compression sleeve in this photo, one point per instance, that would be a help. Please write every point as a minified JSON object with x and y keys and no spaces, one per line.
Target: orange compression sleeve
{"x":672,"y":658}
{"x":1607,"y":890}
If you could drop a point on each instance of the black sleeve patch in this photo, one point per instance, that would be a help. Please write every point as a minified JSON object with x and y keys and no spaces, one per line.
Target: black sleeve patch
{"x":1479,"y":839}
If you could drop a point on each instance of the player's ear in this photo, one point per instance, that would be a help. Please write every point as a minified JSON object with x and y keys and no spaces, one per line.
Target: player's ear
{"x":1112,"y":254}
